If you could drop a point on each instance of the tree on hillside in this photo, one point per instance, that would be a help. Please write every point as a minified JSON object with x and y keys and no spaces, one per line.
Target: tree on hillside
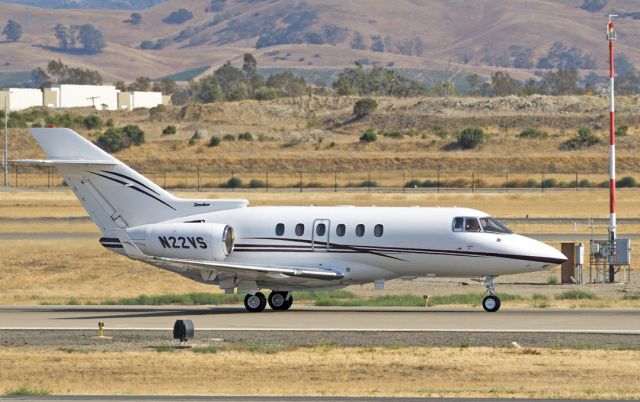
{"x":140,"y":84}
{"x":12,"y":31}
{"x":166,"y":86}
{"x":134,"y":19}
{"x":561,"y":82}
{"x":207,"y":90}
{"x":215,"y":6}
{"x":59,"y":73}
{"x":358,"y":42}
{"x":502,"y":84}
{"x":178,"y":16}
{"x":232,"y":81}
{"x":593,"y":5}
{"x":91,"y":39}
{"x":87,"y":35}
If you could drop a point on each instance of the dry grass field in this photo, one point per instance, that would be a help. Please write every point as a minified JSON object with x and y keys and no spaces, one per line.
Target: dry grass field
{"x":329,"y":371}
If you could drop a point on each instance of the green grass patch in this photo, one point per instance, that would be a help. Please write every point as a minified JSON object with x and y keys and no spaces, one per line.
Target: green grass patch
{"x":632,"y":296}
{"x":261,"y":348}
{"x":25,"y":390}
{"x":378,"y":301}
{"x":576,"y":294}
{"x":180,"y":299}
{"x":205,"y":349}
{"x":332,"y":294}
{"x":473,"y":299}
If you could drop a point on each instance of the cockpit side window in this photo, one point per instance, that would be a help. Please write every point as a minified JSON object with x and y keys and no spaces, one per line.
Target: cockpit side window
{"x":492,"y":225}
{"x":458,"y":224}
{"x":472,"y":225}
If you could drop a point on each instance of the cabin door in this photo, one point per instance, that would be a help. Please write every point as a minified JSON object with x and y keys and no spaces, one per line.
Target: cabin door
{"x":320,"y":235}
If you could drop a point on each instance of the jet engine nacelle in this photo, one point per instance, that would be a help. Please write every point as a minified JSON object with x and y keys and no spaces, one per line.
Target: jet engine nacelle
{"x":193,"y":241}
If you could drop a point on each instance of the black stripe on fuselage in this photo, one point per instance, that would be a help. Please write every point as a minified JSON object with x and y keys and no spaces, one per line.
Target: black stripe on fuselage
{"x":133,"y":187}
{"x":377,"y":250}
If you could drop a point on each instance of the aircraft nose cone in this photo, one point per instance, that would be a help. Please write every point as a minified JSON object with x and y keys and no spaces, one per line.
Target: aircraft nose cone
{"x":554,"y":256}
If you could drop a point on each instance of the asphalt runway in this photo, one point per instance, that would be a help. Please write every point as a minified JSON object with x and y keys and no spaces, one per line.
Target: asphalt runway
{"x":303,"y":318}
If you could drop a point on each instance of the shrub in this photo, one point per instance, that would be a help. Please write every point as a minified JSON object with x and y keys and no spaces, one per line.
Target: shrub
{"x":533,"y":133}
{"x":413,"y":183}
{"x":440,"y":132}
{"x":552,"y":280}
{"x":550,"y":182}
{"x":364,"y":107}
{"x":470,"y":137}
{"x":255,"y":183}
{"x":576,"y":294}
{"x":116,"y":139}
{"x":393,"y":134}
{"x":245,"y":136}
{"x":585,"y":138}
{"x":93,"y":122}
{"x":169,"y":130}
{"x":228,"y":137}
{"x":622,"y":131}
{"x":367,"y":183}
{"x":234,"y":182}
{"x":368,"y":136}
{"x":626,"y":181}
{"x":109,"y":123}
{"x":584,"y":183}
{"x":214,"y":141}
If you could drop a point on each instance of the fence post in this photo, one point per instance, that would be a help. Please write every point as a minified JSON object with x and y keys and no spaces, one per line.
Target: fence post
{"x":542,"y":182}
{"x":267,"y":181}
{"x":335,"y":181}
{"x":577,"y":178}
{"x":473,"y":182}
{"x":438,"y":183}
{"x":232,"y":182}
{"x":165,"y":179}
{"x":403,"y":184}
{"x":506,"y":181}
{"x":300,"y":180}
{"x":198,"y":173}
{"x":17,"y":166}
{"x":369,"y":182}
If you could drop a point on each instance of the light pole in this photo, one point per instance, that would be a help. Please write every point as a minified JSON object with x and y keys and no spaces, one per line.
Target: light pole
{"x":611,"y":37}
{"x":5,"y":156}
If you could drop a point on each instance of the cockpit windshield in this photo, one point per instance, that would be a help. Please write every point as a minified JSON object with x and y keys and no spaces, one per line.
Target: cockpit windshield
{"x":492,"y":225}
{"x":485,"y":224}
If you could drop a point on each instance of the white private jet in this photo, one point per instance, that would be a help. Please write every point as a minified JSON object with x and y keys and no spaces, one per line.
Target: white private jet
{"x":285,"y":248}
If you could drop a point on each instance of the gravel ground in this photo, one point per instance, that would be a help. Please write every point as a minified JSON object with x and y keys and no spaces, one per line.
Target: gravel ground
{"x":144,"y":340}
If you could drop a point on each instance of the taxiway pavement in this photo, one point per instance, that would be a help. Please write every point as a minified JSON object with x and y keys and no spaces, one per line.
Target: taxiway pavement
{"x":303,"y":318}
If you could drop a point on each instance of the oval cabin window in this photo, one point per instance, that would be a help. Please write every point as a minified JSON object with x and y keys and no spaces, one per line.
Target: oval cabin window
{"x":378,"y":230}
{"x":299,"y":229}
{"x":280,"y":229}
{"x":320,"y":229}
{"x":360,"y":230}
{"x":341,"y":230}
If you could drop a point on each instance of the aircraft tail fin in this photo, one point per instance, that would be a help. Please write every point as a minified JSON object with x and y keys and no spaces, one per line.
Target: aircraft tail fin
{"x":114,"y":195}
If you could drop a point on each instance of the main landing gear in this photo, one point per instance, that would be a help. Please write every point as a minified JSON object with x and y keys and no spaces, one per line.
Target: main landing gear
{"x":491,"y":303}
{"x":255,"y":303}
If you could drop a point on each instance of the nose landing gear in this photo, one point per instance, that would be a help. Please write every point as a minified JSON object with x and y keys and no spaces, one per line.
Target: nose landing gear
{"x":491,"y":303}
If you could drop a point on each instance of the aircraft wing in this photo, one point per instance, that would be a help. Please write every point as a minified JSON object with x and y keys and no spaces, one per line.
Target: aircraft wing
{"x":245,"y":271}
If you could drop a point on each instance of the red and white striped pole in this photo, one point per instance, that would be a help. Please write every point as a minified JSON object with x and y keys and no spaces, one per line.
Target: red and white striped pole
{"x":611,"y":37}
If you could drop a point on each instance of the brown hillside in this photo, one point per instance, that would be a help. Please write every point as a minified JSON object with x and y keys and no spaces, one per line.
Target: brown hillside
{"x":449,"y":31}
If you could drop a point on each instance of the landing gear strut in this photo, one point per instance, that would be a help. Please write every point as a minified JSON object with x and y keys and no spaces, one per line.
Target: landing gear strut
{"x":280,"y":300}
{"x":491,"y":303}
{"x":255,"y":303}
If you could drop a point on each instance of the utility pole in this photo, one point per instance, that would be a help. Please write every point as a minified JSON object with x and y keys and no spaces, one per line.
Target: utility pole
{"x":5,"y":156}
{"x":611,"y":37}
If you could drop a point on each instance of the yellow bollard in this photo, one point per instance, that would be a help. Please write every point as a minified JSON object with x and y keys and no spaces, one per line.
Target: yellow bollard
{"x":101,"y":329}
{"x":426,"y":300}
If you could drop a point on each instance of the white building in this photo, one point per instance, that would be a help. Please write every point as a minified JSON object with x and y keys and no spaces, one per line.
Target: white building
{"x":102,"y":97}
{"x":20,"y":98}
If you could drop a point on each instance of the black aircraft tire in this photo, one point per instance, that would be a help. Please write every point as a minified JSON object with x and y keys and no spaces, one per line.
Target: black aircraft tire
{"x":255,"y":303}
{"x":491,"y":304}
{"x":279,"y":301}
